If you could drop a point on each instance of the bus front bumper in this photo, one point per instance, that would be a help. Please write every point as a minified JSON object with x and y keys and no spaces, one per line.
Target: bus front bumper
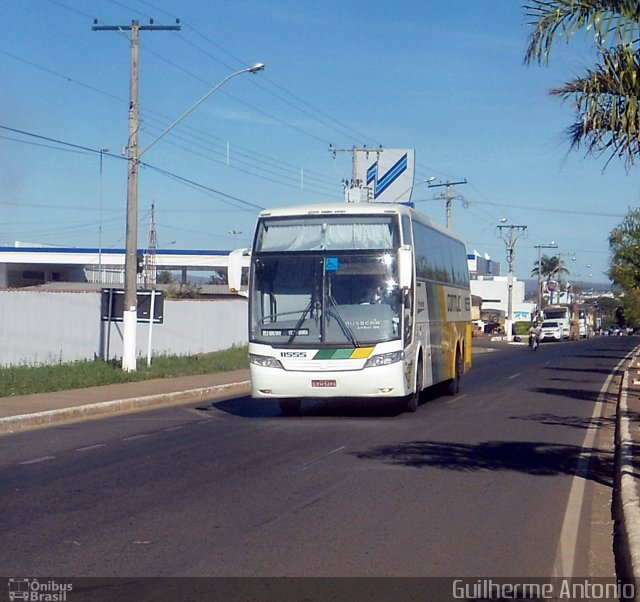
{"x":380,"y":381}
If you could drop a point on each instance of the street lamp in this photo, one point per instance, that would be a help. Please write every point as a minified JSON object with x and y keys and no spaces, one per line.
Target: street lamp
{"x":427,"y":181}
{"x":234,"y":233}
{"x":253,"y":69}
{"x":134,"y":154}
{"x":102,"y":151}
{"x":551,"y":245}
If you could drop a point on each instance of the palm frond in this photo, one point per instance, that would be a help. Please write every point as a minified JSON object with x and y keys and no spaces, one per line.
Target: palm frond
{"x":607,"y":106}
{"x":611,"y":22}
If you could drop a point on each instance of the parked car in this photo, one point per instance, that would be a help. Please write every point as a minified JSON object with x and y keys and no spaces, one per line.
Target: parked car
{"x":551,"y":331}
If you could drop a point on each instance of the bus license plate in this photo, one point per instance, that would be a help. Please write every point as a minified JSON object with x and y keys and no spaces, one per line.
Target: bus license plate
{"x":323,"y":383}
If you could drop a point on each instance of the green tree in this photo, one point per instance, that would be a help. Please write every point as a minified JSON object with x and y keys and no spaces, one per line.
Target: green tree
{"x":624,"y":268}
{"x":606,"y":308}
{"x":606,"y":98}
{"x":624,"y":243}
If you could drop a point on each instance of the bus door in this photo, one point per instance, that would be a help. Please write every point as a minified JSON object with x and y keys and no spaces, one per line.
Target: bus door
{"x":423,"y":331}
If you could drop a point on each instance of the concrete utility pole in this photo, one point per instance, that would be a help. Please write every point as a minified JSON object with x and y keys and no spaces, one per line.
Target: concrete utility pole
{"x":515,"y":232}
{"x":130,"y":316}
{"x":449,"y":196}
{"x":355,"y":183}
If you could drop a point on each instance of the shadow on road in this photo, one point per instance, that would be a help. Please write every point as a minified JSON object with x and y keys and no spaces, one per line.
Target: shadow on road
{"x":535,"y":458}
{"x":591,"y":396}
{"x":247,"y":407}
{"x":579,"y":422}
{"x":601,"y":353}
{"x":606,"y":371}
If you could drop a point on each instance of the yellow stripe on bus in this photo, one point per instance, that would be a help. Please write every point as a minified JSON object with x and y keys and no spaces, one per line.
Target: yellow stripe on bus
{"x":362,"y":352}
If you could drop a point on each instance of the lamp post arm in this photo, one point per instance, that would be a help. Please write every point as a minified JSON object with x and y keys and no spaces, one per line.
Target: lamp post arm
{"x":195,"y":106}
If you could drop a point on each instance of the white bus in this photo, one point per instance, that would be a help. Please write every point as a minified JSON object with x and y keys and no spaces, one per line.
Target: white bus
{"x":356,"y":300}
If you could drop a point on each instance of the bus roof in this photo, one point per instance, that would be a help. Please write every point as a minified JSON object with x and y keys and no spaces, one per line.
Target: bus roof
{"x":344,"y":208}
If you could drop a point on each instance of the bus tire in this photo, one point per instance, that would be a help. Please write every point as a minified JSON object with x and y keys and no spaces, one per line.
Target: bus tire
{"x":413,"y":399}
{"x":290,"y":407}
{"x":453,"y":386}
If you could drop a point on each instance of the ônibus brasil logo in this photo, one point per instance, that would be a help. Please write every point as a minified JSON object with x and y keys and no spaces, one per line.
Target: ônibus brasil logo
{"x":34,"y":590}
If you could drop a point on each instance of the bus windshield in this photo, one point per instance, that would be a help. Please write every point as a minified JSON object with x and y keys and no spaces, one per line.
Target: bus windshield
{"x":345,"y":298}
{"x":320,"y":233}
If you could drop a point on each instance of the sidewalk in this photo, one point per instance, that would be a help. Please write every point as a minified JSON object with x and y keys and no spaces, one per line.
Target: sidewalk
{"x":25,"y":412}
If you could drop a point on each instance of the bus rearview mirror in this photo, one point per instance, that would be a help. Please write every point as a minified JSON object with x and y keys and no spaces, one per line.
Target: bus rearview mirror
{"x":405,"y":266}
{"x":237,"y":259}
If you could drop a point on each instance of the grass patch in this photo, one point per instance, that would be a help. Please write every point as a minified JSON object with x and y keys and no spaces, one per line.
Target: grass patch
{"x":25,"y":379}
{"x":522,"y":328}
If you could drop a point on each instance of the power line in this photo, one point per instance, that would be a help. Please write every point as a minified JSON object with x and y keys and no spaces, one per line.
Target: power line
{"x":158,"y":169}
{"x":66,"y":78}
{"x":315,"y":110}
{"x":56,"y":141}
{"x":203,"y":187}
{"x":102,"y":92}
{"x":540,"y":208}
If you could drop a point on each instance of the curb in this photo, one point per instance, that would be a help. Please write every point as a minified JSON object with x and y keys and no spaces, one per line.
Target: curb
{"x":23,"y":422}
{"x":629,"y":503}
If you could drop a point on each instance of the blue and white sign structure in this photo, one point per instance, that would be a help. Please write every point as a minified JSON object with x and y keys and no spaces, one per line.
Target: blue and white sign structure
{"x":388,"y":174}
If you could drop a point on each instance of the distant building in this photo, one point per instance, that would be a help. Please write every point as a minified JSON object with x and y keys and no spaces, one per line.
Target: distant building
{"x":22,"y":266}
{"x":482,"y":265}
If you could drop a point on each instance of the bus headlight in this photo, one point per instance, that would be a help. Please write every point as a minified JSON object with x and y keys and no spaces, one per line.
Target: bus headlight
{"x":265,"y":361}
{"x":384,"y":359}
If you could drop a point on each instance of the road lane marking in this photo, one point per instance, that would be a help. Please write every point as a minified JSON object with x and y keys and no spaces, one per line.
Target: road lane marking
{"x":173,"y":428}
{"x":514,"y":375}
{"x":89,"y":447}
{"x":456,"y":398}
{"x":319,"y":459}
{"x":37,"y":460}
{"x":134,"y":437}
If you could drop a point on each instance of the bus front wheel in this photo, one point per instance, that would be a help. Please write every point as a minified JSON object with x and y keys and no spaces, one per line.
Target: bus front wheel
{"x":290,"y":407}
{"x":413,"y":399}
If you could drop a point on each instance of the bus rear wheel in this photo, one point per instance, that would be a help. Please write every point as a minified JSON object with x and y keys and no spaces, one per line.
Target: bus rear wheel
{"x":453,"y":386}
{"x":290,"y":407}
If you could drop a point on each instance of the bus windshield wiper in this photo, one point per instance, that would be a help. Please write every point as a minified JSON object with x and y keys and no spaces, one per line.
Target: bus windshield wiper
{"x":341,"y":321}
{"x":300,"y":322}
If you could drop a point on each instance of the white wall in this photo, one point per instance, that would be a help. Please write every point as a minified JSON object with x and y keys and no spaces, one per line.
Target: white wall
{"x":49,"y":327}
{"x":495,"y":292}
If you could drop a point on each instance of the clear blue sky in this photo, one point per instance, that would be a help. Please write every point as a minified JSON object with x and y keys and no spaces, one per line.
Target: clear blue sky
{"x":445,"y":78}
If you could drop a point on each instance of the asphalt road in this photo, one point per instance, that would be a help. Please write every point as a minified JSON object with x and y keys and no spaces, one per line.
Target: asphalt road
{"x":480,"y":484}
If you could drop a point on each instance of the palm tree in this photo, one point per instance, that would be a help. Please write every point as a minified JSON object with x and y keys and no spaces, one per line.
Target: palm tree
{"x":607,"y":97}
{"x":549,"y":267}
